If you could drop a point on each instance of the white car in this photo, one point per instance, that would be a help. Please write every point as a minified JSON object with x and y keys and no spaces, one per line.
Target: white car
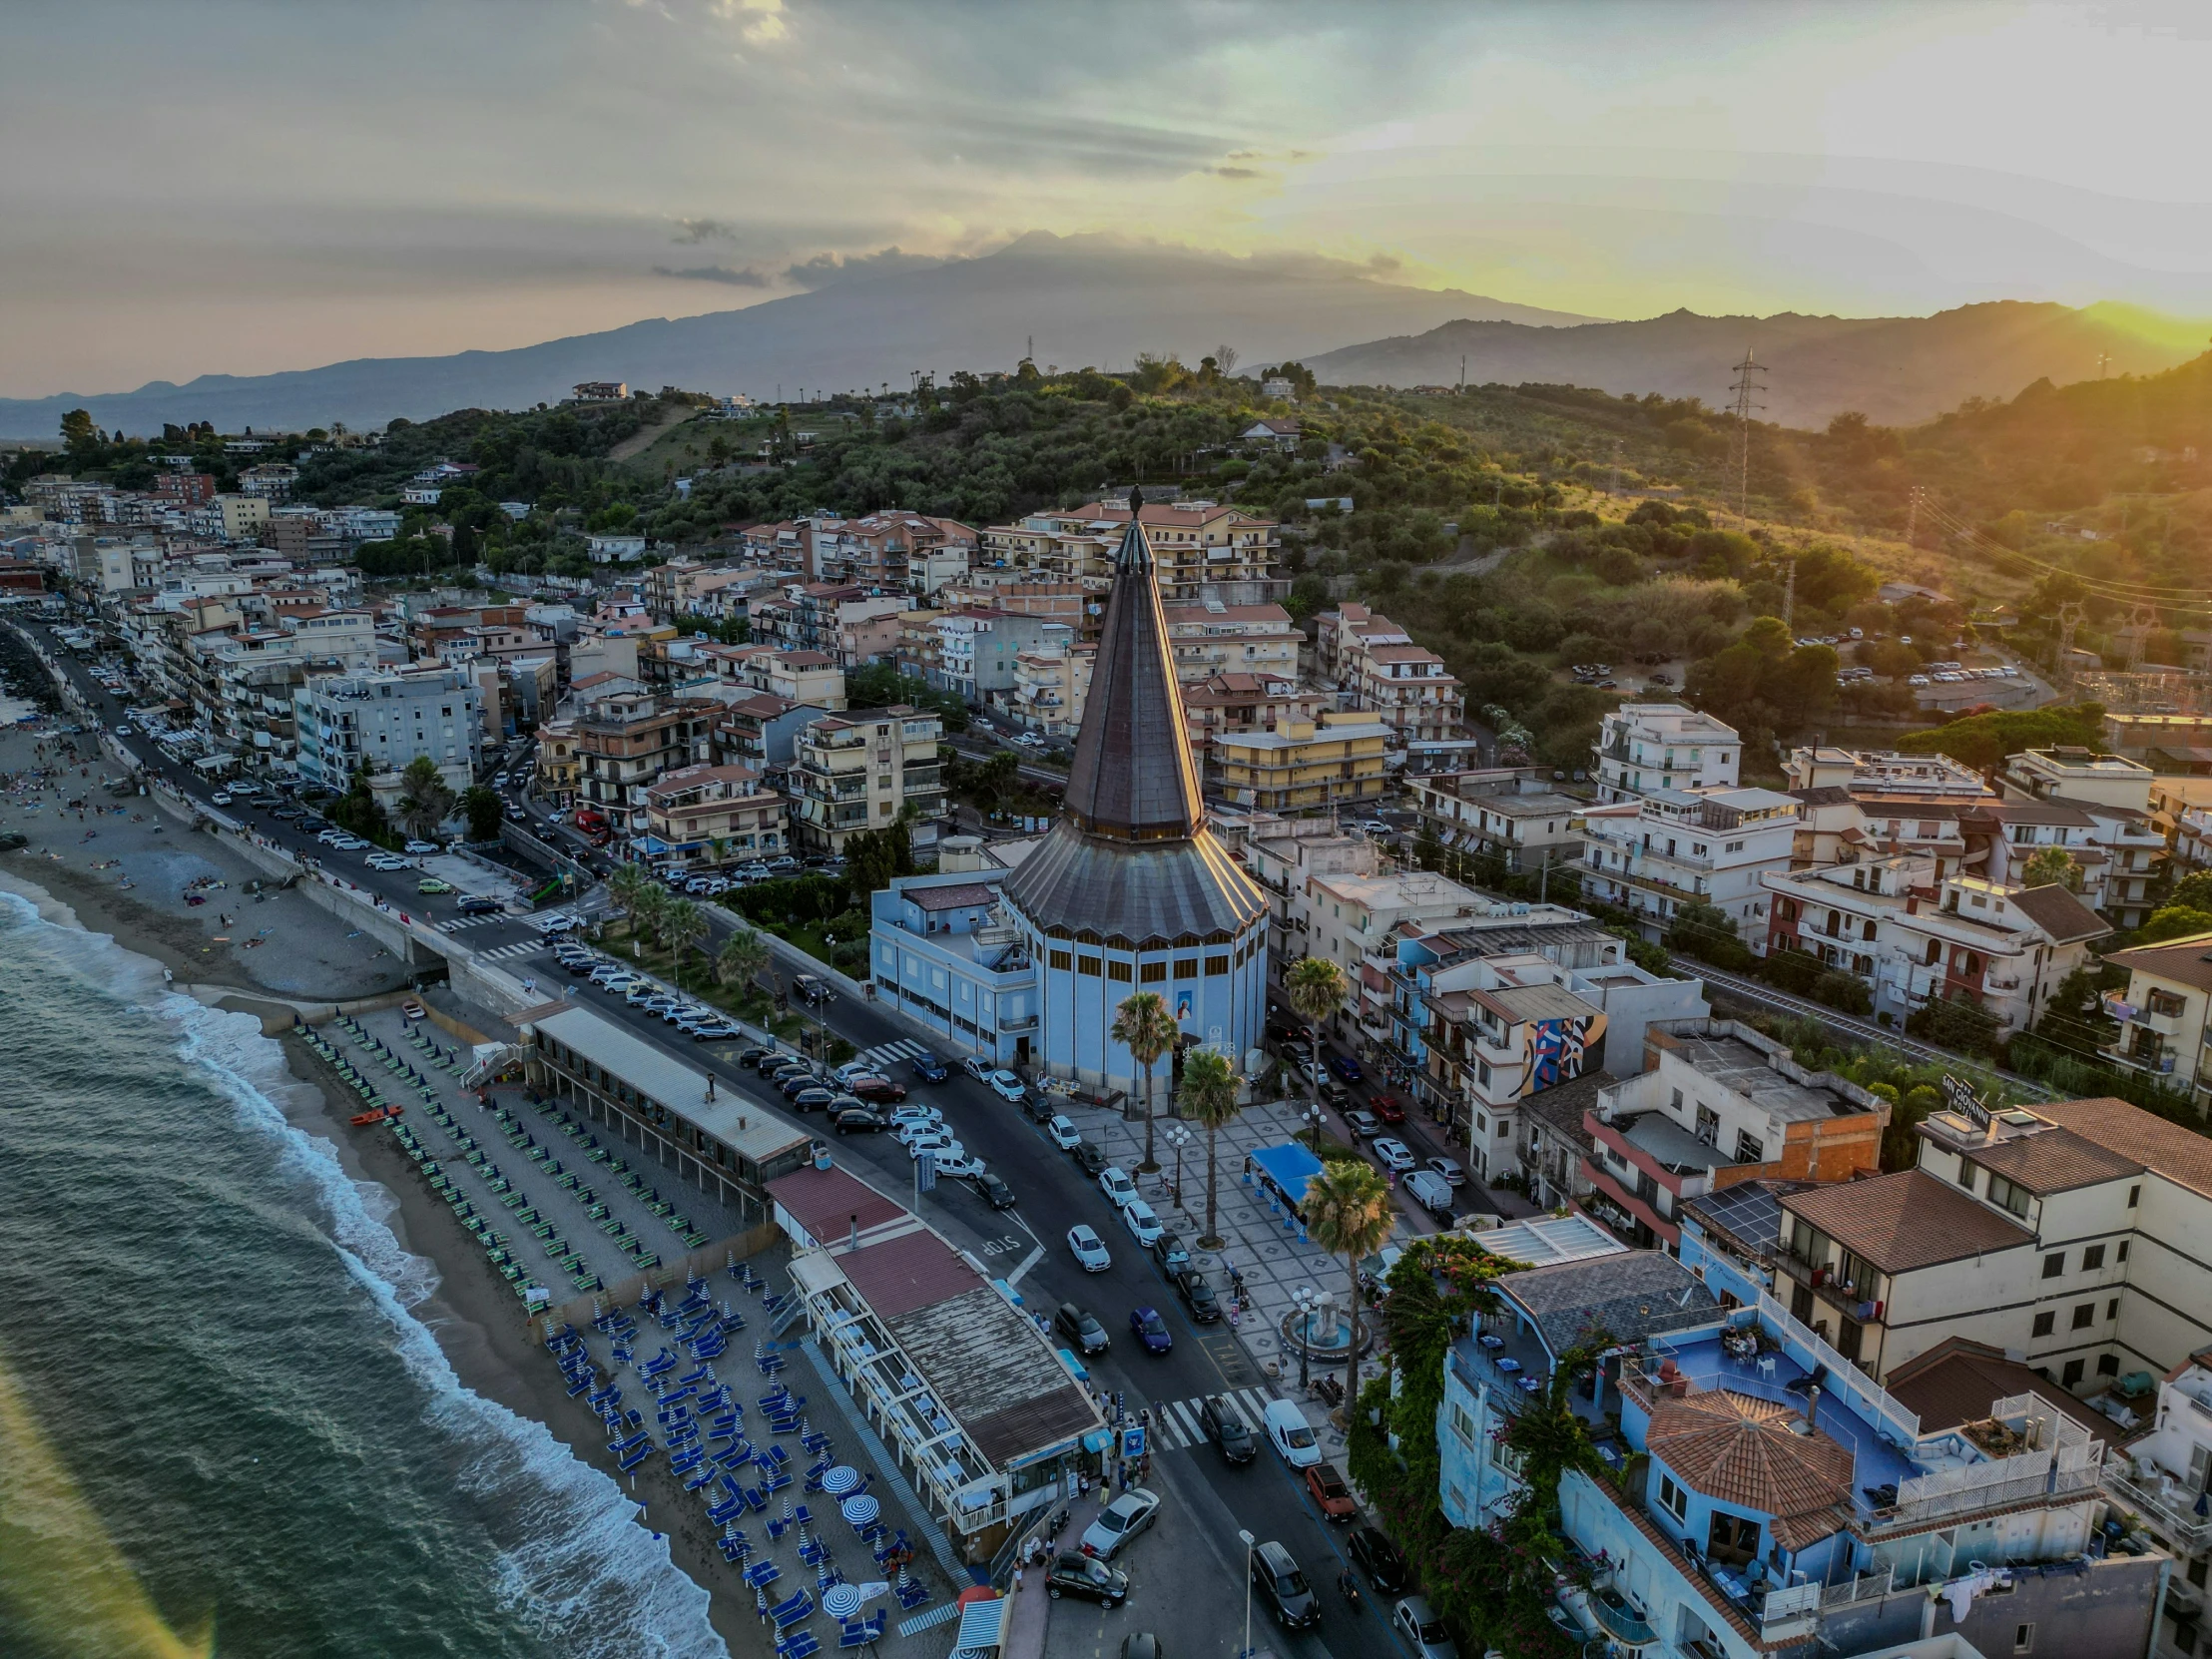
{"x":1061,"y":1133}
{"x":1089,"y":1250}
{"x":419,"y":847}
{"x":222,"y":798}
{"x":1393,"y":1155}
{"x":1006,"y":1085}
{"x":958,"y":1166}
{"x":1290,"y":1434}
{"x":386,"y":862}
{"x":977,"y":1067}
{"x":922,"y":1129}
{"x":942,"y":1147}
{"x":1143,"y":1225}
{"x":1116,"y":1185}
{"x":1120,"y":1521}
{"x":1450,"y":1169}
{"x":908,"y":1115}
{"x":853,"y":1070}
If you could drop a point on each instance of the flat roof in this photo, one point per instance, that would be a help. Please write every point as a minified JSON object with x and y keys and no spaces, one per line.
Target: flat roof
{"x":1548,"y":1240}
{"x":745,"y":1126}
{"x":1736,"y":1065}
{"x":1630,"y":1297}
{"x":833,"y":1204}
{"x":1673,"y":1145}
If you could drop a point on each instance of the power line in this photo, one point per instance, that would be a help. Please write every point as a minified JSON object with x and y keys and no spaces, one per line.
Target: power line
{"x":1743,"y":389}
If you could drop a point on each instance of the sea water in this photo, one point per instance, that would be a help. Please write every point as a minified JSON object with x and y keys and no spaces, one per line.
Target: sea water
{"x":213,"y":1329}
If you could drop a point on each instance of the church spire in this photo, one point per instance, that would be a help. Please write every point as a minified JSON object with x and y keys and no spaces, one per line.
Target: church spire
{"x":1133,"y":776}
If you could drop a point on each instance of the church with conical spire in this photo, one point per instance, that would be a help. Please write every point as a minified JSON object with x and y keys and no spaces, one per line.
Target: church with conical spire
{"x":1130,"y":891}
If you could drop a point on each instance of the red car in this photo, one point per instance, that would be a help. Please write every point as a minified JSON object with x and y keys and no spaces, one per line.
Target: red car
{"x":1385,"y":1107}
{"x":1331,"y":1492}
{"x":878,"y":1089}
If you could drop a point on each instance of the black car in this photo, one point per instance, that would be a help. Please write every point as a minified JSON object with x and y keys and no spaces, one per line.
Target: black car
{"x":1276,"y":1576}
{"x":1226,"y":1427}
{"x":1038,"y":1108}
{"x":1336,"y":1094}
{"x":813,"y":1100}
{"x":1081,"y":1329}
{"x":753,"y":1056}
{"x":480,"y":906}
{"x":857,"y":1120}
{"x":930,"y":1069}
{"x":1089,"y":1157}
{"x":1378,"y":1559}
{"x":799,"y":1082}
{"x":1168,"y":1251}
{"x":1198,"y":1296}
{"x":993,"y":1191}
{"x":1079,"y":1575}
{"x":766,"y":1060}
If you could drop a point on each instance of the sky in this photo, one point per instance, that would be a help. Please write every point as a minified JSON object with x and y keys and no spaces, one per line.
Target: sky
{"x":248,"y":186}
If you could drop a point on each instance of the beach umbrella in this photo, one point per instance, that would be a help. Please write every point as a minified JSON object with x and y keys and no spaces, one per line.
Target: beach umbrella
{"x":840,"y":1480}
{"x":862,"y":1509}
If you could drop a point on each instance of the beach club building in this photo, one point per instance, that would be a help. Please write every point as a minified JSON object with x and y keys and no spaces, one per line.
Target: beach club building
{"x":987,"y":1421}
{"x":1130,"y":890}
{"x":725,"y":1145}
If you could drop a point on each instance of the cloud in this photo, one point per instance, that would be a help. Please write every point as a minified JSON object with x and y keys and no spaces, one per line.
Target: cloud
{"x":826,"y":270}
{"x":716,"y":273}
{"x":692,"y":232}
{"x":1234,"y":172}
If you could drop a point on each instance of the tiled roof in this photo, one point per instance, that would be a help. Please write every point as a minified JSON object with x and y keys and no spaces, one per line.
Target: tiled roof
{"x":1906,"y":1221}
{"x":905,"y":1275}
{"x":1628,"y":1298}
{"x":955,"y":897}
{"x":1957,"y":1381}
{"x":1561,"y":1108}
{"x":2054,"y":1161}
{"x":1742,"y":1451}
{"x":2179,"y":1154}
{"x":2186,"y":962}
{"x":2059,"y":913}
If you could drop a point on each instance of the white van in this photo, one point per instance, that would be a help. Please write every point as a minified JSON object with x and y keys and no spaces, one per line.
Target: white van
{"x":1432,"y":1192}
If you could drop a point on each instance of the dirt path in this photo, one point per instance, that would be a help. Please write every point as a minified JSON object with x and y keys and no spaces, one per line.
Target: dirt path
{"x":642,"y":439}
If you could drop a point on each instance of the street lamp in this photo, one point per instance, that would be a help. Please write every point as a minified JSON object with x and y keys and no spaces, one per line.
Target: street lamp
{"x":1244,"y":1652}
{"x":1314,"y":1118}
{"x":1178,"y":1137}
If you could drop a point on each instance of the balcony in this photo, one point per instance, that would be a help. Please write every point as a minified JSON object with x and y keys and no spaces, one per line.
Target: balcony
{"x":2165,"y":1505}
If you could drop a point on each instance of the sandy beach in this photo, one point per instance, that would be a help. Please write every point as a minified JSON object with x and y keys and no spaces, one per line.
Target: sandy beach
{"x":129,"y":874}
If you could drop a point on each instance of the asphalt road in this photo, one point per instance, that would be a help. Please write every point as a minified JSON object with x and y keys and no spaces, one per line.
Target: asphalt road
{"x":1189,"y":1568}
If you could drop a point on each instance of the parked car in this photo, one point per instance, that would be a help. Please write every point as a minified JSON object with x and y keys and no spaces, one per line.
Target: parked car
{"x":1146,"y":1324}
{"x":1089,"y":1157}
{"x":1387,"y":1107}
{"x":1336,"y":1094}
{"x":422,"y":846}
{"x":929,"y":1068}
{"x":993,"y":1191}
{"x":433,"y":886}
{"x":1089,"y":1249}
{"x":1006,"y":1085}
{"x":1062,"y":1133}
{"x":1117,"y":1186}
{"x":977,"y":1067}
{"x":1120,"y":1521}
{"x":958,"y":1163}
{"x":1168,"y":1251}
{"x":1432,"y":1192}
{"x":1393,"y":1155}
{"x":1089,"y":1581}
{"x":1282,"y":1586}
{"x":1375,"y":1556}
{"x":812,"y":1099}
{"x":856,"y":1120}
{"x":1198,"y":1296}
{"x":1345,"y":1067}
{"x":1081,"y":1329}
{"x":1450,"y":1169}
{"x":1038,"y":1108}
{"x":880,"y":1089}
{"x":1327,"y":1489}
{"x":1290,"y":1434}
{"x":1424,"y":1633}
{"x":1144,"y":1226}
{"x":1363,"y":1125}
{"x":904,"y":1115}
{"x":1225,"y":1425}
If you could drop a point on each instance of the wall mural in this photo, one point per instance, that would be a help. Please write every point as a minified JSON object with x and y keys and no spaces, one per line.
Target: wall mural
{"x":1558,"y":1048}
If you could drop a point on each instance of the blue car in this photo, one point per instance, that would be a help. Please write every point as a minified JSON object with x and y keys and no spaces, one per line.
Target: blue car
{"x":1149,"y":1329}
{"x":1345,"y":1066}
{"x":930,"y":1069}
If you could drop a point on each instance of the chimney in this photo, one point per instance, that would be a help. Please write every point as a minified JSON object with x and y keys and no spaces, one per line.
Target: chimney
{"x":852,"y":1238}
{"x":1812,"y":1406}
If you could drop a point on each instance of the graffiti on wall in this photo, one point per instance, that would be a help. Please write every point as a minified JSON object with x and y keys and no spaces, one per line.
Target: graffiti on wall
{"x":1559,"y":1048}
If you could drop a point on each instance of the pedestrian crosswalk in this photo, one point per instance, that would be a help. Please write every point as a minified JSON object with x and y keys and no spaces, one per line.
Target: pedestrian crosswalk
{"x":1176,"y":1425}
{"x":500,"y":952}
{"x":459,"y":922}
{"x":884,"y":1053}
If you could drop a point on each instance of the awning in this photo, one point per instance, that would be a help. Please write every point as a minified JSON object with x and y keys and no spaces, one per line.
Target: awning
{"x":1098,"y":1439}
{"x":981,"y":1626}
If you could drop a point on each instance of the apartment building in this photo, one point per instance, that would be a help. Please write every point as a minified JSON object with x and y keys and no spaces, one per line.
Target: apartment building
{"x":1051,"y":681}
{"x":2076,"y":775}
{"x":1719,"y":1104}
{"x":848,"y":622}
{"x":555,"y":761}
{"x":1196,"y":546}
{"x":1332,"y":894}
{"x":884,"y":551}
{"x":711,"y":814}
{"x":2124,"y":851}
{"x":1303,"y":768}
{"x":865,"y":770}
{"x":626,"y":740}
{"x":1377,"y":664}
{"x":790,"y":673}
{"x":1212,"y":638}
{"x":763,"y":730}
{"x":1241,"y":702}
{"x":943,"y":950}
{"x":1653,"y":853}
{"x":1885,"y":774}
{"x":2165,"y":1015}
{"x":383,"y":721}
{"x":1647,"y":747}
{"x":1914,"y":937}
{"x":1080,"y":605}
{"x":2161,"y":1477}
{"x":1511,"y":814}
{"x":977,"y":651}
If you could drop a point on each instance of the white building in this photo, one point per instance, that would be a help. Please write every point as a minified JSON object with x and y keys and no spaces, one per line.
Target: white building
{"x":1681,"y":847}
{"x":387,"y":720}
{"x":1643,"y":747}
{"x":2162,"y":1478}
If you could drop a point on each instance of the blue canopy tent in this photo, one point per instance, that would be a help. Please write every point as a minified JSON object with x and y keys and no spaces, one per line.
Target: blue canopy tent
{"x":1283,"y":1170}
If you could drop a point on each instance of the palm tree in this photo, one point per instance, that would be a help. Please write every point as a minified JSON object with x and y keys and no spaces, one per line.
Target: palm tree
{"x":685,"y":924}
{"x":739,"y":960}
{"x":1142,"y":1025}
{"x":1348,"y":1213}
{"x":1209,"y":1099}
{"x":1317,"y":987}
{"x":650,"y":912}
{"x":1549,"y":1437}
{"x":628,"y":887}
{"x":427,"y":799}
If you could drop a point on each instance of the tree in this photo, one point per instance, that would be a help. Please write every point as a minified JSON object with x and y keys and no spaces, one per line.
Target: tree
{"x":1349,"y":1214}
{"x":628,"y":887}
{"x":2173,"y":921}
{"x":485,"y":812}
{"x":2051,"y":866}
{"x":1707,"y":933}
{"x":650,"y":914}
{"x":1209,"y":1099}
{"x":685,"y":925}
{"x":1142,"y":1025}
{"x":1550,"y":1437}
{"x":1316,"y":988}
{"x":998,"y":778}
{"x":2193,"y":891}
{"x":425,"y":800}
{"x":1954,"y":1023}
{"x":78,"y":432}
{"x":739,"y":960}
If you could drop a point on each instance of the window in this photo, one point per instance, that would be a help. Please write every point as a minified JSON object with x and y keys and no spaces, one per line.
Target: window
{"x":2108,"y":1365}
{"x":1061,"y":960}
{"x":2134,"y":1196}
{"x":1965,"y":1175}
{"x":2005,"y":1196}
{"x":1708,"y":1126}
{"x":2084,"y":1315}
{"x":2072,"y":1374}
{"x":2165,"y":1004}
{"x":2113,"y":1307}
{"x":2121,"y":1253}
{"x":2024,"y":1638}
{"x":1185,"y":967}
{"x":1088,"y":965}
{"x":1118,"y":971}
{"x":1463,"y":1422}
{"x":1673,"y":1498}
{"x":1152,"y":973}
{"x":1750,"y":1149}
{"x":2044,"y":1325}
{"x":2092,"y":1258}
{"x":1217,"y":965}
{"x":2053,"y":1265}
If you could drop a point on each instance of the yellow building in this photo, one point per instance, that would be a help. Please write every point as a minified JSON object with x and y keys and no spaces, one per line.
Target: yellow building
{"x":862,"y":770}
{"x":1302,"y":767}
{"x":556,"y":761}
